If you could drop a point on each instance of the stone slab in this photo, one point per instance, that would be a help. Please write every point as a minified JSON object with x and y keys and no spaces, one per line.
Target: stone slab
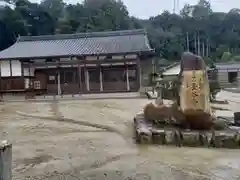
{"x":147,"y":133}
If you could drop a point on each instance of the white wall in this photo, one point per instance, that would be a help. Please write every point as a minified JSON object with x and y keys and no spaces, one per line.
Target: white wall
{"x":16,"y":68}
{"x":28,"y":72}
{"x":5,"y":68}
{"x":26,"y":83}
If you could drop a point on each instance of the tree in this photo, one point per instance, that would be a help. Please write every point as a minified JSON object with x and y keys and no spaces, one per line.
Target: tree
{"x":236,"y":58}
{"x":212,"y":35}
{"x":226,"y":57}
{"x":54,"y":7}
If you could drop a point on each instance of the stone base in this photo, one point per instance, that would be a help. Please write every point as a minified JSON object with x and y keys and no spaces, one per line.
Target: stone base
{"x":147,"y":133}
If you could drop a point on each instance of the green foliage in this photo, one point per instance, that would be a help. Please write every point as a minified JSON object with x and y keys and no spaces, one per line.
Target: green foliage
{"x":226,"y":57}
{"x":209,"y":61}
{"x":236,"y":58}
{"x":213,"y":35}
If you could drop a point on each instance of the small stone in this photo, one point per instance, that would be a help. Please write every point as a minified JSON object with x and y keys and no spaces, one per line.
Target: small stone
{"x":205,"y":139}
{"x":172,"y":138}
{"x":178,"y":138}
{"x":225,"y":140}
{"x":139,"y":115}
{"x":158,"y":136}
{"x":231,"y":142}
{"x":190,"y":139}
{"x":144,"y":138}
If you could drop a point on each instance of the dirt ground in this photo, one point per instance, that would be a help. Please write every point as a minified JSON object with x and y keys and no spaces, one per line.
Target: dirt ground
{"x":55,"y":150}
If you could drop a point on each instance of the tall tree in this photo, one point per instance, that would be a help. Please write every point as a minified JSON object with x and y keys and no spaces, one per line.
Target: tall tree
{"x":197,"y":28}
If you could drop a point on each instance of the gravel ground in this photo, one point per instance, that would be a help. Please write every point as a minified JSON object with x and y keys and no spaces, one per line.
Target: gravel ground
{"x":55,"y":150}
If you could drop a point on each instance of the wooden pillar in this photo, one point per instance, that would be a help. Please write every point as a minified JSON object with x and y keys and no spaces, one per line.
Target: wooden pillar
{"x":101,"y":78}
{"x":28,"y":92}
{"x":22,"y":77}
{"x":58,"y":83}
{"x":59,"y":91}
{"x":5,"y":161}
{"x":139,"y":72}
{"x":1,"y":84}
{"x":29,"y":75}
{"x":86,"y":78}
{"x":79,"y":76}
{"x":11,"y":74}
{"x":127,"y":78}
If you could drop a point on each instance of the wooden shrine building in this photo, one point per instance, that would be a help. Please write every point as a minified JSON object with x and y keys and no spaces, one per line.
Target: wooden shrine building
{"x":75,"y":63}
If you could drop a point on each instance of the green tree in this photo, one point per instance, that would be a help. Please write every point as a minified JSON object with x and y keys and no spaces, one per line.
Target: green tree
{"x":226,"y":57}
{"x":197,"y":28}
{"x":236,"y":58}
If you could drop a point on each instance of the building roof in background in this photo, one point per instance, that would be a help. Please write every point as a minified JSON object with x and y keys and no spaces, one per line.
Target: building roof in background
{"x":173,"y":69}
{"x":164,"y":62}
{"x":228,"y":65}
{"x":95,"y":43}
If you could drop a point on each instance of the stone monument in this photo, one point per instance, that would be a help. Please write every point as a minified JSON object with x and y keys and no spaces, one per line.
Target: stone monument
{"x":190,"y":121}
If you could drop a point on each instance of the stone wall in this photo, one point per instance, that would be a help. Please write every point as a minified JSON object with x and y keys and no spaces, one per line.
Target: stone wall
{"x":147,"y":133}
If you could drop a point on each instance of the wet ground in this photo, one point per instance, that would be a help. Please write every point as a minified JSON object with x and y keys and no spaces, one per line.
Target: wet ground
{"x":54,"y":150}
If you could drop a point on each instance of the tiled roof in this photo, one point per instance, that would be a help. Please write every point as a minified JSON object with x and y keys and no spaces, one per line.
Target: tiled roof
{"x":96,"y":43}
{"x":174,"y":69}
{"x":228,"y":65}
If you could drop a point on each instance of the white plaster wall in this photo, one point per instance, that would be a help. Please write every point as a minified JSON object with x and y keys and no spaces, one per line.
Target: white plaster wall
{"x":117,"y":57}
{"x":91,"y":58}
{"x":26,"y":71}
{"x":16,"y":68}
{"x":65,"y":59}
{"x":102,"y":57}
{"x":26,"y":82}
{"x":131,"y":56}
{"x":5,"y":68}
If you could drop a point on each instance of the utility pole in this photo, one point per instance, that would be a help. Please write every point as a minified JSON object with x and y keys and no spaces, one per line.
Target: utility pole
{"x":203,"y":49}
{"x":178,"y":9}
{"x":187,"y":42}
{"x":195,"y":43}
{"x":207,"y":53}
{"x":174,"y":6}
{"x":198,"y":44}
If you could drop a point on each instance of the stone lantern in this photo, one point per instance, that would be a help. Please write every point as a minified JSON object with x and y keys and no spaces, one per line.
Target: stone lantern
{"x":159,"y":89}
{"x":238,"y":82}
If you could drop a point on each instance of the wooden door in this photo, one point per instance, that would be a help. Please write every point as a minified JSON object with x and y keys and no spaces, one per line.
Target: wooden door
{"x":69,"y":80}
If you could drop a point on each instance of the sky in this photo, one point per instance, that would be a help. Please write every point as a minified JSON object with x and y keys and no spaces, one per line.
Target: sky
{"x":146,"y":8}
{"x":153,"y":7}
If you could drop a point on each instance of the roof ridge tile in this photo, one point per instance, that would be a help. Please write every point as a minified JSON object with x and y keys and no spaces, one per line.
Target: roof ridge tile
{"x":82,"y":35}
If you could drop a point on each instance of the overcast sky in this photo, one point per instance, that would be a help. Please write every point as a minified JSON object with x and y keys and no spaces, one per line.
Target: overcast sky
{"x":146,"y":8}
